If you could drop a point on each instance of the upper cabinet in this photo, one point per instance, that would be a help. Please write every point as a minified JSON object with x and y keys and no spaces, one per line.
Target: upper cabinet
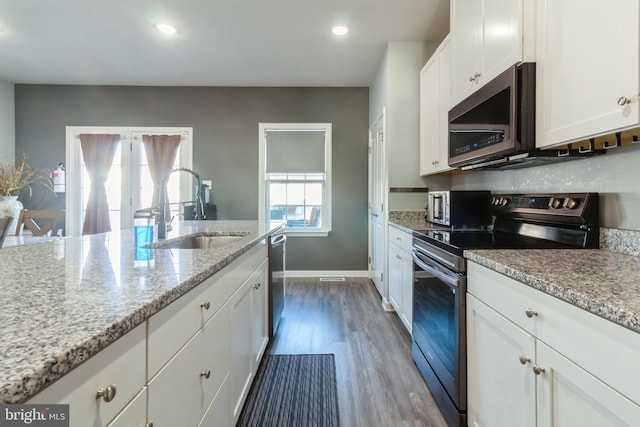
{"x":488,"y":36}
{"x":588,"y":77}
{"x":435,"y":101}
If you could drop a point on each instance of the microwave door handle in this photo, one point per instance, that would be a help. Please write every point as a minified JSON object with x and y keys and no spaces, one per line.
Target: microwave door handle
{"x":451,"y":281}
{"x":437,"y":207}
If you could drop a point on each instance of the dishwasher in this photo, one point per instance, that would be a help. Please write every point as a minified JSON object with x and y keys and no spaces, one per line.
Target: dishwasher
{"x":277,"y":281}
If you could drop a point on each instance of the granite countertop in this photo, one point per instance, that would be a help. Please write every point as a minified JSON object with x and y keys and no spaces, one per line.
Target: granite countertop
{"x":65,"y":300}
{"x":602,"y":282}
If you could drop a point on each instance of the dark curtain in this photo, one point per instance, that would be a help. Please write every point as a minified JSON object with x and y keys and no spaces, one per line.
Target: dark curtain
{"x":98,"y":152}
{"x":161,"y":151}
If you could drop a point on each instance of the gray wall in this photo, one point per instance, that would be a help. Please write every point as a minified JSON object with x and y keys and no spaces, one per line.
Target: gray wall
{"x":615,"y":175}
{"x":7,"y":122}
{"x":225,"y":127}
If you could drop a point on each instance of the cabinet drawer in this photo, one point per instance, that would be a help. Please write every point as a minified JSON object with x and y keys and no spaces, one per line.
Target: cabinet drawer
{"x":606,"y":350}
{"x":181,"y":392}
{"x":401,"y":238}
{"x":172,"y":327}
{"x":241,"y":268}
{"x":121,"y":364}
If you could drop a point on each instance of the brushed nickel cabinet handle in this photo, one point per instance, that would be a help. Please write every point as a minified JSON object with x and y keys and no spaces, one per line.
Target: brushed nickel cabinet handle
{"x":205,"y":374}
{"x":530,"y":313}
{"x":107,"y":394}
{"x":205,"y":305}
{"x":149,"y":424}
{"x":524,"y":359}
{"x":538,"y":369}
{"x":623,"y":100}
{"x":257,"y":285}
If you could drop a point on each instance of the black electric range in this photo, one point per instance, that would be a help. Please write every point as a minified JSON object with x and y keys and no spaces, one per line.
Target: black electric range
{"x":526,"y":221}
{"x":522,"y":221}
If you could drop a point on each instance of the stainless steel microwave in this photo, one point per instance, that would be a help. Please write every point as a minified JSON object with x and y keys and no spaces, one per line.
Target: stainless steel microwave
{"x":496,"y":121}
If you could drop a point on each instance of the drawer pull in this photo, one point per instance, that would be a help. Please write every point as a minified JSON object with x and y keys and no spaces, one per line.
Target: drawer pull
{"x":623,"y":100}
{"x":524,"y":359}
{"x":538,"y":369}
{"x":205,"y":305}
{"x":149,"y":424}
{"x":530,"y":313}
{"x":107,"y":394}
{"x":257,"y":285}
{"x":205,"y":374}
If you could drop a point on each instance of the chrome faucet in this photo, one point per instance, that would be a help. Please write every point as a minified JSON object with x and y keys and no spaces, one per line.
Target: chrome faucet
{"x":162,"y":201}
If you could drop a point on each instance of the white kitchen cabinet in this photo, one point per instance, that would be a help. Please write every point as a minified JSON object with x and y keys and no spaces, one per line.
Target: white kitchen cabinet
{"x":488,"y":36}
{"x":119,"y":368}
{"x":534,"y":360}
{"x":260,"y":330}
{"x":134,"y":414}
{"x":435,"y":102}
{"x":588,"y":69}
{"x":183,"y":389}
{"x":401,"y":275}
{"x":249,"y":335}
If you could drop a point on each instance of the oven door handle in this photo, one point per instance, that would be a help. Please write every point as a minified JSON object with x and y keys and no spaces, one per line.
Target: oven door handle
{"x":453,"y":282}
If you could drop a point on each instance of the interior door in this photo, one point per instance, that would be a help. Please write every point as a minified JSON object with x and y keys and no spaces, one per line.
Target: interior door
{"x":377,"y":184}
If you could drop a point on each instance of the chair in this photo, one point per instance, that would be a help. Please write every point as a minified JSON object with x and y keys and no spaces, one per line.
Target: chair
{"x":40,"y":223}
{"x":4,"y":228}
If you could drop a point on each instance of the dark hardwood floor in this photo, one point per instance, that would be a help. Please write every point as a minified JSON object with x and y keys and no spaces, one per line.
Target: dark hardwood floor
{"x":378,"y":384}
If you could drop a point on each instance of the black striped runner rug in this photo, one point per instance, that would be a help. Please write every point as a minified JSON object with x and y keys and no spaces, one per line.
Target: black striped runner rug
{"x":294,"y":390}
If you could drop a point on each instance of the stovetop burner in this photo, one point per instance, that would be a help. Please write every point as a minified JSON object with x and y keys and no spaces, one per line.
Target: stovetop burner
{"x":526,"y":221}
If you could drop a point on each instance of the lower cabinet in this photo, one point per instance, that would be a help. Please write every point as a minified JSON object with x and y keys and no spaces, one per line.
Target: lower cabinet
{"x":534,"y":360}
{"x":249,"y":335}
{"x":100,"y":388}
{"x":191,"y":364}
{"x":182,"y":391}
{"x":400,"y":276}
{"x":134,"y":414}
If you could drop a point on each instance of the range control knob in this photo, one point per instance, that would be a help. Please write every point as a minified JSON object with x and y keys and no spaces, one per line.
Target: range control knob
{"x":571,"y":203}
{"x":504,"y":202}
{"x":495,"y":201}
{"x":556,"y":203}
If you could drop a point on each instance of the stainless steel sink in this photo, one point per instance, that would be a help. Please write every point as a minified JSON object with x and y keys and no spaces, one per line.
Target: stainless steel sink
{"x":207,"y":241}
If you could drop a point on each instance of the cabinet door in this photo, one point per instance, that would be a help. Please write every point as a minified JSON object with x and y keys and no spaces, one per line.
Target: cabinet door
{"x":587,"y":60}
{"x":444,"y":103}
{"x":134,"y":414}
{"x":430,"y":115}
{"x":466,"y":39}
{"x":501,"y":389}
{"x":395,"y":277}
{"x":570,"y":396}
{"x":241,"y":356}
{"x":183,"y":389}
{"x":407,"y":290}
{"x":501,"y":37}
{"x":260,"y":330}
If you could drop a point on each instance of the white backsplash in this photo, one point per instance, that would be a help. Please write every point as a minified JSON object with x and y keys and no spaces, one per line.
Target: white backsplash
{"x":615,"y":175}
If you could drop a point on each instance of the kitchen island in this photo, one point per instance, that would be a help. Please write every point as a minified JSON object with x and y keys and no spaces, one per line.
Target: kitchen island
{"x":66,"y":300}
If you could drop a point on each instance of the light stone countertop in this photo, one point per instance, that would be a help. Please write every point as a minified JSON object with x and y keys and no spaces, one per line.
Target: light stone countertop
{"x":65,"y":300}
{"x":602,"y":282}
{"x":605,"y":282}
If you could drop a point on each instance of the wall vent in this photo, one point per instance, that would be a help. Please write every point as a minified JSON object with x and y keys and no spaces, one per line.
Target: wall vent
{"x":332,"y":279}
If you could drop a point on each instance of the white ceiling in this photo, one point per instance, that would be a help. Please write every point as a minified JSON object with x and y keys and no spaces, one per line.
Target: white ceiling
{"x":219,"y":42}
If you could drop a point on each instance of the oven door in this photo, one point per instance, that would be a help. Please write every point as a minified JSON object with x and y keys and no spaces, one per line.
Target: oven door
{"x":439,"y":323}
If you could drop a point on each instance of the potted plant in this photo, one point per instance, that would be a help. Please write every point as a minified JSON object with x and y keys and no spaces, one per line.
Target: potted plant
{"x":14,"y":180}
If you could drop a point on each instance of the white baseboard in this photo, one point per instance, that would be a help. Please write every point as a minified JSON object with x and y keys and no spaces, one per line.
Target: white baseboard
{"x":386,"y":305}
{"x":317,"y":273}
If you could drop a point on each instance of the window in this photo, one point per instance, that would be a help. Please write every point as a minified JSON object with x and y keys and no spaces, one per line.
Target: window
{"x":295,"y":176}
{"x":129,"y":185}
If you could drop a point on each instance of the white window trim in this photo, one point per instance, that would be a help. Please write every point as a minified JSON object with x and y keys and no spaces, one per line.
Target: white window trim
{"x":325,"y":213}
{"x":73,"y":163}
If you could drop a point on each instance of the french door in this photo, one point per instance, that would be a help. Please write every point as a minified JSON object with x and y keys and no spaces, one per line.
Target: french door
{"x":129,"y":185}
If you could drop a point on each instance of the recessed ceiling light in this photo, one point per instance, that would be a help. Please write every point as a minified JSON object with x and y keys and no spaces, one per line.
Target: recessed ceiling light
{"x":340,"y":30}
{"x":166,"y":29}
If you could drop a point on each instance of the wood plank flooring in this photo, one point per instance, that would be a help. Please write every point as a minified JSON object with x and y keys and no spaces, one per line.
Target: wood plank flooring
{"x":378,"y":384}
